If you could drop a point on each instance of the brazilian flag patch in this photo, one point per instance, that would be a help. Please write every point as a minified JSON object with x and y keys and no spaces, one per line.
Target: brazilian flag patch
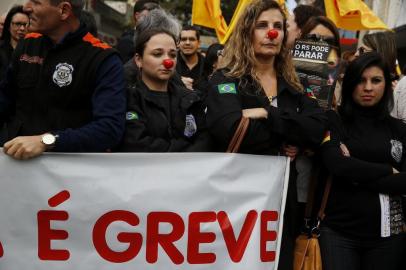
{"x":227,"y":88}
{"x":131,"y":116}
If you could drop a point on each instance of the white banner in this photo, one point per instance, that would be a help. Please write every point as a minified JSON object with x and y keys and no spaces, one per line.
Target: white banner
{"x":142,"y":211}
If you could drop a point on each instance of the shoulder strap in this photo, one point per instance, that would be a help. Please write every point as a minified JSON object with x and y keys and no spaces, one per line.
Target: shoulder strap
{"x":239,"y":135}
{"x":311,"y":190}
{"x":321,"y":213}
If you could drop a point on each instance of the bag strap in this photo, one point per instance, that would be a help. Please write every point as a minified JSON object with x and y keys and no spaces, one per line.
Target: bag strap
{"x":311,"y":191}
{"x":321,"y":215}
{"x":238,"y":136}
{"x":303,"y":258}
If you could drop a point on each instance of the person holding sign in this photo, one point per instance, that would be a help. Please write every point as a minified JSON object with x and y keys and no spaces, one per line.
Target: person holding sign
{"x":161,"y":115}
{"x":257,"y":80}
{"x":321,"y":28}
{"x":319,"y":36}
{"x":364,"y":226}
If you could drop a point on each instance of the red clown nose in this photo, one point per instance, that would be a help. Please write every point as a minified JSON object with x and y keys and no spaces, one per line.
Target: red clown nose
{"x":272,"y":34}
{"x":168,"y":63}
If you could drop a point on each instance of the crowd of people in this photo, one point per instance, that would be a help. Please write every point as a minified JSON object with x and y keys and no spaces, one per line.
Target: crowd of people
{"x":64,"y":90}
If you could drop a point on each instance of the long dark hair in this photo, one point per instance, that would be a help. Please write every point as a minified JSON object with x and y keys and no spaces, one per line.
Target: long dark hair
{"x":352,"y":78}
{"x":384,"y":43}
{"x":6,"y":37}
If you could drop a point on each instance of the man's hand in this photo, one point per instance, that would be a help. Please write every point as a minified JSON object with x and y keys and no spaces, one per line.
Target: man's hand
{"x":255,"y":113}
{"x":290,"y":151}
{"x":24,"y":147}
{"x":188,"y":82}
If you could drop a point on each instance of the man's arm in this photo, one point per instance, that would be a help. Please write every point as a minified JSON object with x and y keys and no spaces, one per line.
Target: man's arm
{"x":105,"y":130}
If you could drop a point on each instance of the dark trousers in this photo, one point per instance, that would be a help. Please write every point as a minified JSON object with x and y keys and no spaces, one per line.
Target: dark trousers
{"x":341,"y":252}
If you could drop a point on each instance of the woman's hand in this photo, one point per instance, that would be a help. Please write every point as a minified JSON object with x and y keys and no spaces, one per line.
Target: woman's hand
{"x":290,"y":151}
{"x":344,"y":150}
{"x":255,"y":113}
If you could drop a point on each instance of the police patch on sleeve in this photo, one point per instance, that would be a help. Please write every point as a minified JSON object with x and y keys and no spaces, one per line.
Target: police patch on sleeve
{"x":227,"y":88}
{"x":131,"y":116}
{"x":396,"y":150}
{"x":63,"y":74}
{"x":190,"y":126}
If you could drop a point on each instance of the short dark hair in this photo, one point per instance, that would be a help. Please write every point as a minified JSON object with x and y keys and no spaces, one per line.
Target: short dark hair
{"x":211,"y":57}
{"x":304,"y":12}
{"x":191,"y":28}
{"x":89,"y":20}
{"x":145,"y":4}
{"x":352,"y":78}
{"x":77,"y":5}
{"x":146,"y":35}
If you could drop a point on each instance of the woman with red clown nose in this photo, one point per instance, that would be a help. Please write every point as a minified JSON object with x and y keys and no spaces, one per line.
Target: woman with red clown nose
{"x":161,"y":115}
{"x":258,"y":81}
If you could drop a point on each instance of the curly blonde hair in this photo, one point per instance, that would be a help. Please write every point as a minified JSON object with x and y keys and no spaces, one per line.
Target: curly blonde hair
{"x":239,"y":56}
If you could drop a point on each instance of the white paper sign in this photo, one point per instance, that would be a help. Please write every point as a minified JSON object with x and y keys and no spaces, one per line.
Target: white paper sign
{"x":142,"y":211}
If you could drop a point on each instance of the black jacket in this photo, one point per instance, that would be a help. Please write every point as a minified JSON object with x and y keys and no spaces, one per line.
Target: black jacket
{"x":150,"y":129}
{"x":375,"y":145}
{"x":126,"y":45}
{"x":298,"y":120}
{"x":53,"y":83}
{"x":195,"y":73}
{"x":5,"y":55}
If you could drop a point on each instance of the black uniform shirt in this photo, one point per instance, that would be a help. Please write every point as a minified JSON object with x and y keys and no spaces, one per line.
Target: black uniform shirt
{"x":298,"y":120}
{"x":195,"y":73}
{"x":375,"y":146}
{"x":164,"y":122}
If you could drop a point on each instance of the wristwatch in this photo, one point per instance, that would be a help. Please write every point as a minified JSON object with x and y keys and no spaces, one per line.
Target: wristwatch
{"x":49,"y":140}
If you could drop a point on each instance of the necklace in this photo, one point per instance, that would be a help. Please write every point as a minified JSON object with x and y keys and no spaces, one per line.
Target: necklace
{"x":271,"y":99}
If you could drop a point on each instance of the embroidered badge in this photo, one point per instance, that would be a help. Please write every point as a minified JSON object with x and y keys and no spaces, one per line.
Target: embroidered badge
{"x":396,"y":150}
{"x":63,"y":74}
{"x":131,"y":116}
{"x":227,"y":88}
{"x":190,"y":126}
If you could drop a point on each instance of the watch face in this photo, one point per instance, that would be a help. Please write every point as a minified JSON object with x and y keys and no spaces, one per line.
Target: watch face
{"x":48,"y":139}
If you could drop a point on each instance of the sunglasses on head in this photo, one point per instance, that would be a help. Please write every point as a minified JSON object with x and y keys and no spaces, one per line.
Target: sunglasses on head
{"x":316,"y":37}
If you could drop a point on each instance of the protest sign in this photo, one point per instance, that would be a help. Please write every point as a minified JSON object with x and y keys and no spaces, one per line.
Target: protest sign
{"x":317,"y":66}
{"x":142,"y":211}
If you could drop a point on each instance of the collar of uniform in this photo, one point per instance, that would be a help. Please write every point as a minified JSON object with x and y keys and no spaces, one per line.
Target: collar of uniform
{"x":283,"y":86}
{"x":176,"y":94}
{"x":182,"y":59}
{"x":72,"y":36}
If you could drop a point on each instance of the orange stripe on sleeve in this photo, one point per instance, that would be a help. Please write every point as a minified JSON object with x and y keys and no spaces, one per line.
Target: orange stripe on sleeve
{"x":95,"y":41}
{"x":33,"y":35}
